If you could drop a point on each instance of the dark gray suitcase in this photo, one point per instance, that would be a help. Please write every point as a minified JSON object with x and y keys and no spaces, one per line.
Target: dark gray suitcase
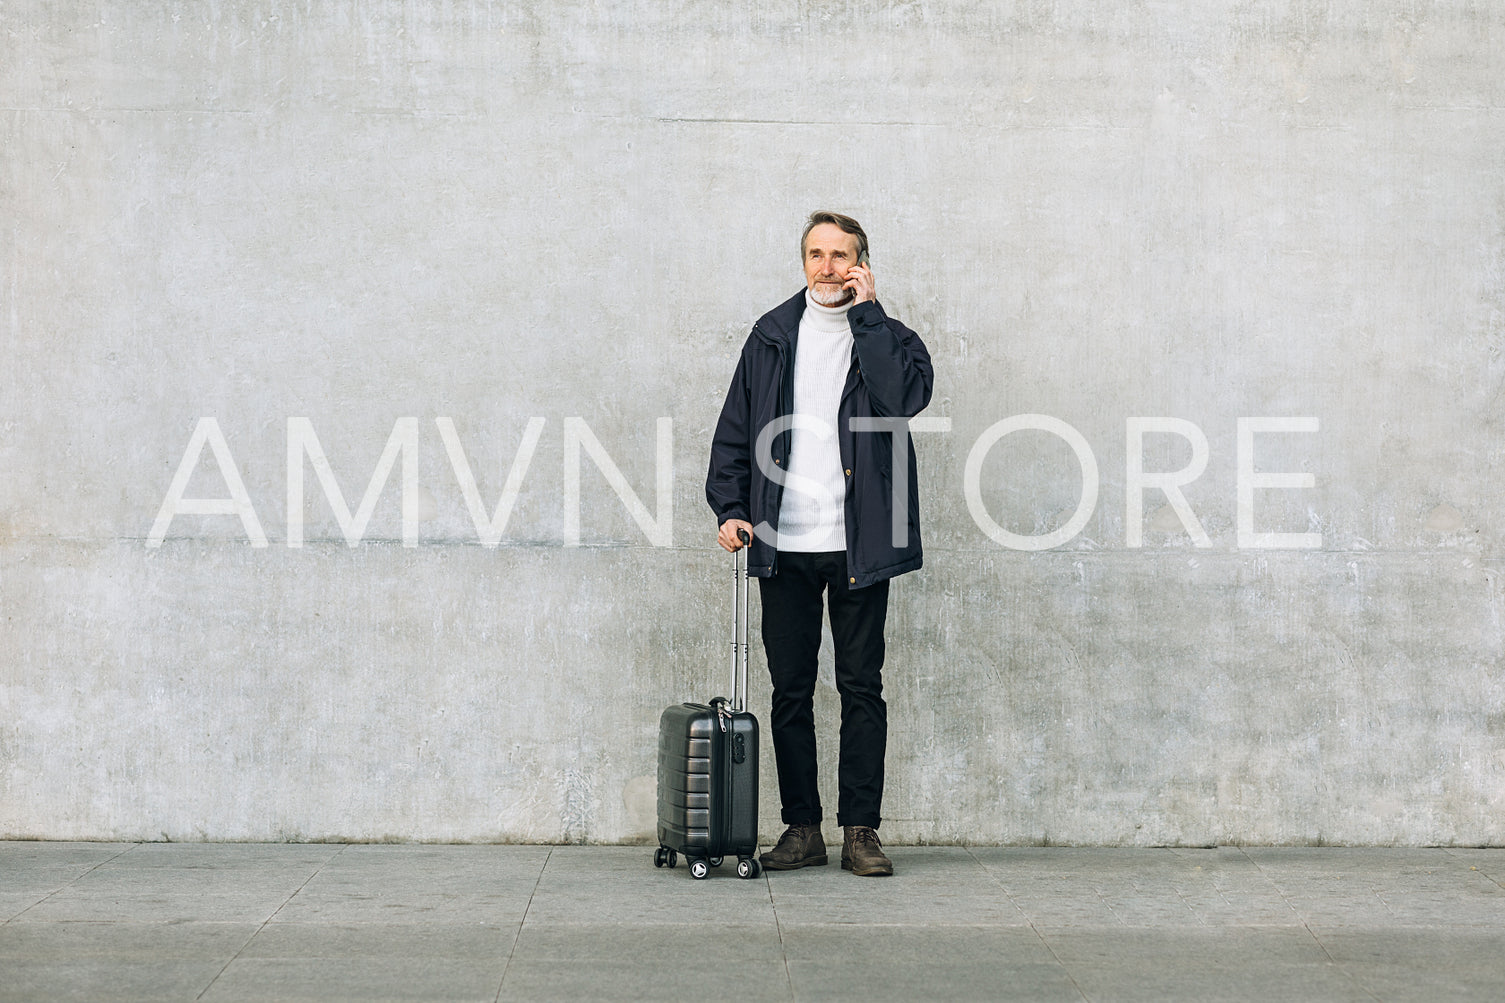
{"x":708,"y":769}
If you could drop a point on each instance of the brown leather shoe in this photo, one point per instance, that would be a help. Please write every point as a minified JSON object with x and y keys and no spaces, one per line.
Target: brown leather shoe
{"x":800,"y":846}
{"x":862,"y":853}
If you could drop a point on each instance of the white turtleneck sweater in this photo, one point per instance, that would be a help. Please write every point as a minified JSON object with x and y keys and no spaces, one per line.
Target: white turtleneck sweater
{"x":811,"y":516}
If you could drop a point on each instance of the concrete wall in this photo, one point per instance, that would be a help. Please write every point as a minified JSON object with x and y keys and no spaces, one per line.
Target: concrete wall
{"x":359,"y":212}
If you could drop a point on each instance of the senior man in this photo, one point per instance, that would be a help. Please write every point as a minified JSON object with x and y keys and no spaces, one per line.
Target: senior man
{"x":802,"y":459}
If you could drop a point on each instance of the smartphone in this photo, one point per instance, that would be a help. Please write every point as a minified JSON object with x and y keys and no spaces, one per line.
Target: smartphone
{"x":862,"y":258}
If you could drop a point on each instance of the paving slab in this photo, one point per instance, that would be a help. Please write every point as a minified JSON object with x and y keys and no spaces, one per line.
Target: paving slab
{"x":1421,"y":962}
{"x":189,"y":857}
{"x":31,"y":872}
{"x":381,"y":940}
{"x":114,"y":961}
{"x":52,"y":943}
{"x":882,"y":945}
{"x":358,"y":979}
{"x":715,"y":974}
{"x":904,"y":980}
{"x":189,"y":882}
{"x":931,"y":886}
{"x":1056,"y":887}
{"x":1222,"y":963}
{"x":1367,"y":887}
{"x":119,"y":898}
{"x":113,"y":979}
{"x":396,"y":884}
{"x":658,"y":943}
{"x":21,"y":857}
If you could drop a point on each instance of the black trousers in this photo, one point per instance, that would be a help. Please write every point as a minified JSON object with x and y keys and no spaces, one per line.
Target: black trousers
{"x":791,"y":640}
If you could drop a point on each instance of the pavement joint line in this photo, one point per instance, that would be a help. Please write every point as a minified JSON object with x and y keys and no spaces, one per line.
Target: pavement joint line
{"x":1306,"y":925}
{"x":1328,"y":954}
{"x":1222,"y":892}
{"x":1107,"y":905}
{"x":69,"y":884}
{"x":1385,"y":902}
{"x":1476,"y":868}
{"x":524,"y":922}
{"x":317,"y":871}
{"x":779,"y":926}
{"x":1275,"y":885}
{"x":1030,"y":920}
{"x":1338,"y":964}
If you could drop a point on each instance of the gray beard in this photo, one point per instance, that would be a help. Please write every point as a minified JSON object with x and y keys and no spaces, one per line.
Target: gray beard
{"x":830,"y":299}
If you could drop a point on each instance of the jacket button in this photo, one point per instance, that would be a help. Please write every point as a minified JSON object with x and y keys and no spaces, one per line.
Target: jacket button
{"x":851,"y":581}
{"x":778,"y":461}
{"x":849,"y":471}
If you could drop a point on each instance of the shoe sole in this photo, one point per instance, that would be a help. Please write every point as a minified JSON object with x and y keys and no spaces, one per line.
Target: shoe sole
{"x":871,"y":872}
{"x":807,"y":862}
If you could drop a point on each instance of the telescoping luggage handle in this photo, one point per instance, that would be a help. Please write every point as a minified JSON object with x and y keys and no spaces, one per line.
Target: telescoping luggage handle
{"x":739,"y":624}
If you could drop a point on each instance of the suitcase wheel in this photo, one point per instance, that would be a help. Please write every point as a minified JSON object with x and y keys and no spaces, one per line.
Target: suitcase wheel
{"x":715,"y":861}
{"x":663,"y":855}
{"x":699,"y":868}
{"x":747,"y":867}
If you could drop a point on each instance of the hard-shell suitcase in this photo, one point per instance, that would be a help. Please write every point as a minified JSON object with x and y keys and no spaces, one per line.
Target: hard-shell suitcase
{"x":708,"y":768}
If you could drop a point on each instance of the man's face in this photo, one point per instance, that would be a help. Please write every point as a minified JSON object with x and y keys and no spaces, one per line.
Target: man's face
{"x":829,"y":252}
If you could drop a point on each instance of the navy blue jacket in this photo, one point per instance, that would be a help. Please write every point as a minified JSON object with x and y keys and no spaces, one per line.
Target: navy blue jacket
{"x":890,"y":377}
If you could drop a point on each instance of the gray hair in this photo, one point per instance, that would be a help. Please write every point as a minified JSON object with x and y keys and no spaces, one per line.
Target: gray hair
{"x":846,"y":223}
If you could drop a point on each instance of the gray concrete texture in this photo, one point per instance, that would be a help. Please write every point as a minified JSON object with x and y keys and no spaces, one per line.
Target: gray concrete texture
{"x":363,"y":212}
{"x":324,"y":922}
